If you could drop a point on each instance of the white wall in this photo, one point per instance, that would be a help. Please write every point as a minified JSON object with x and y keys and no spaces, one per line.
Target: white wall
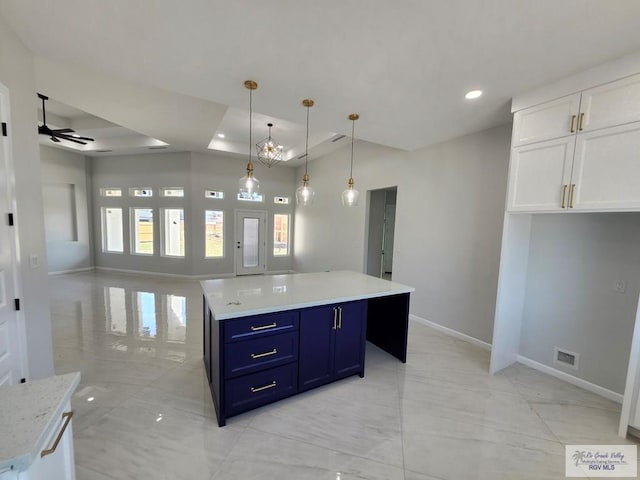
{"x":574,"y":262}
{"x":64,"y":174}
{"x":16,"y":73}
{"x":195,"y":172}
{"x":450,"y":207}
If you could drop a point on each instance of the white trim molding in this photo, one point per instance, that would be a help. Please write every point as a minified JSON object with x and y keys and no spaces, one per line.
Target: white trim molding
{"x":73,"y":270}
{"x":573,"y":380}
{"x":451,"y":332}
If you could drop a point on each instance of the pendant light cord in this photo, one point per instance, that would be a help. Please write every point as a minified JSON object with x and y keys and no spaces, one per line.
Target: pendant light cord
{"x":353,"y":129}
{"x":306,"y":145}
{"x":250,"y":122}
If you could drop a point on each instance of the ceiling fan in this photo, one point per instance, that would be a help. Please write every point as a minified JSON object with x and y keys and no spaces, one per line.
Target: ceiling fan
{"x":59,"y":133}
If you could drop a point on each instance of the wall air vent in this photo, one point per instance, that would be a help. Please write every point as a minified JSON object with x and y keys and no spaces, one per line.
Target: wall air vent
{"x":302,"y":156}
{"x":566,"y":358}
{"x":159,"y":147}
{"x":104,"y":151}
{"x":337,"y":138}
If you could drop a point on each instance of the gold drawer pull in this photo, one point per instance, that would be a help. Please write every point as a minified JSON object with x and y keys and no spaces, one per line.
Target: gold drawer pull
{"x":67,"y":418}
{"x":264,"y":327}
{"x":265,"y":354}
{"x":264,"y":387}
{"x":573,"y":120}
{"x":580,"y":121}
{"x":564,"y":194}
{"x":573,"y":189}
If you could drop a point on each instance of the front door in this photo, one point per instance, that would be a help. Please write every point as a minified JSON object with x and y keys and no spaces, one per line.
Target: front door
{"x":12,"y":364}
{"x":251,"y":242}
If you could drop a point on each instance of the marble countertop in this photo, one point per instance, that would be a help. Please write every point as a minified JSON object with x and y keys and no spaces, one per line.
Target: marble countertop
{"x":256,"y":294}
{"x":29,"y":412}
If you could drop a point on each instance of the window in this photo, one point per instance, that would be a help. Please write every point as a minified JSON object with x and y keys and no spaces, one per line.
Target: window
{"x":141,"y":192}
{"x":172,"y":192}
{"x":142,"y":231}
{"x":111,"y":192}
{"x":213,"y":194}
{"x":214,"y":230}
{"x":173,"y":238}
{"x":280,"y":235}
{"x":112,"y":230}
{"x":250,"y":197}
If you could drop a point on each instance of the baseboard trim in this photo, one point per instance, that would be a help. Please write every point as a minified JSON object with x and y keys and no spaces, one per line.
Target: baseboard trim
{"x":74,"y":270}
{"x":144,"y":273}
{"x":451,"y":332}
{"x":573,"y":380}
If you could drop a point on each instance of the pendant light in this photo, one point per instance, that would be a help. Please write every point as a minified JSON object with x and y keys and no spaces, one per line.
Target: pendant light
{"x":350,"y":195}
{"x":304,"y":193}
{"x":249,"y":185}
{"x":269,"y":152}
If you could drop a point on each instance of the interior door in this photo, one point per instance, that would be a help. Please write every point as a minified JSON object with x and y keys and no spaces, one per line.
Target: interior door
{"x":251,"y":242}
{"x":12,"y":364}
{"x":387,"y":241}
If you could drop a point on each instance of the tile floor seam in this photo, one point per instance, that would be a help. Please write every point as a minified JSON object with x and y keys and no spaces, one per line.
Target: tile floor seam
{"x":401,"y":416}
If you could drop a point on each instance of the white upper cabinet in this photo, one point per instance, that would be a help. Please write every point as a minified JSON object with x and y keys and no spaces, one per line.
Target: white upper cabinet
{"x":554,"y":119}
{"x":610,"y":104}
{"x":606,"y":169}
{"x":578,"y":153}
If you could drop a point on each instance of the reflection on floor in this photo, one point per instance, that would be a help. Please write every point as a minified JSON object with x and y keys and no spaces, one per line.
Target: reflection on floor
{"x":143,"y":409}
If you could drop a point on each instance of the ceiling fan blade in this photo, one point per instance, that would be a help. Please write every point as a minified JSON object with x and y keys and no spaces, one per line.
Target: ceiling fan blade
{"x":68,"y":138}
{"x":54,"y":139}
{"x":44,"y":130}
{"x":85,"y":138}
{"x":63,"y":130}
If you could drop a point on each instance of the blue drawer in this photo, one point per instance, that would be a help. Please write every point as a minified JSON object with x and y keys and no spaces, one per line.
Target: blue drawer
{"x":251,"y":391}
{"x":260,"y":326}
{"x":260,"y":353}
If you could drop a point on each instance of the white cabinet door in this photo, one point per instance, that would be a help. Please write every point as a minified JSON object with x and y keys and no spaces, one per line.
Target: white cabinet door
{"x":59,"y":465}
{"x":613,"y":103}
{"x":546,"y":121}
{"x":606,"y":170}
{"x":539,"y":176}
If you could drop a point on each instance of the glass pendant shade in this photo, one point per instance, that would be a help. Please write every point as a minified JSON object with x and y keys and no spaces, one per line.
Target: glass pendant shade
{"x":350,"y":196}
{"x":304,"y":193}
{"x":249,"y":185}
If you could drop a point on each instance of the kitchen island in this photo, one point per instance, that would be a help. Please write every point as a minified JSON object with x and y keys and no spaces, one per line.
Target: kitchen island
{"x":273,"y":336}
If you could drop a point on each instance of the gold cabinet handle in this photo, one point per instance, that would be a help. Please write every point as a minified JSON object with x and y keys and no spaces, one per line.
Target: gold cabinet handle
{"x":573,"y":121}
{"x":580,"y":121}
{"x":340,"y":318}
{"x":264,"y":387}
{"x":335,"y":318}
{"x":265,"y":354}
{"x":264,"y":327}
{"x":564,"y":194}
{"x":573,"y":189}
{"x":67,"y":418}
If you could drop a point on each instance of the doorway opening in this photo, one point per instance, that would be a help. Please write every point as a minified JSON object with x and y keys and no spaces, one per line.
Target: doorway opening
{"x":381,"y":205}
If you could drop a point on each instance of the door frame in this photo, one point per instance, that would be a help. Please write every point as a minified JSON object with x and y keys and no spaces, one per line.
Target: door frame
{"x":15,"y":278}
{"x":238,"y":214}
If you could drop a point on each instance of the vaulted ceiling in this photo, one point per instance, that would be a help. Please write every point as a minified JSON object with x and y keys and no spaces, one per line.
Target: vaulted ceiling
{"x":174,"y":71}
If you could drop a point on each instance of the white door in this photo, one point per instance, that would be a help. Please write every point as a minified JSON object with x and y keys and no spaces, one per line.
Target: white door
{"x":251,"y":242}
{"x":539,"y":176}
{"x":12,"y":363}
{"x":606,"y":169}
{"x":387,"y":246}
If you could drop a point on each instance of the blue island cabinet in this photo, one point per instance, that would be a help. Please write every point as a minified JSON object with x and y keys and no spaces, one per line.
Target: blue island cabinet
{"x":332,"y":343}
{"x":255,"y":360}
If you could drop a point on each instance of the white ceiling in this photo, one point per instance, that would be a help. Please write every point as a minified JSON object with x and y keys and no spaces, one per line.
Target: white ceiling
{"x":170,"y":70}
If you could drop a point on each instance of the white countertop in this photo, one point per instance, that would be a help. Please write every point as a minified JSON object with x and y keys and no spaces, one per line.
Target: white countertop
{"x":256,"y":294}
{"x":28,"y":412}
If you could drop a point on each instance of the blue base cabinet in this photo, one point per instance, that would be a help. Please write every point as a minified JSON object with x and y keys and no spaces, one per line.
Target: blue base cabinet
{"x":332,"y":343}
{"x":253,"y":361}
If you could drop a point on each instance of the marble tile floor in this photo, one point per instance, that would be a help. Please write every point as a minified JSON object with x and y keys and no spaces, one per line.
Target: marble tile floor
{"x":143,"y":408}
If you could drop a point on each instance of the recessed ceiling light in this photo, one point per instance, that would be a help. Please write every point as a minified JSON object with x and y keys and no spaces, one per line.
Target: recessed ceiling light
{"x":473,"y":94}
{"x":221,"y":135}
